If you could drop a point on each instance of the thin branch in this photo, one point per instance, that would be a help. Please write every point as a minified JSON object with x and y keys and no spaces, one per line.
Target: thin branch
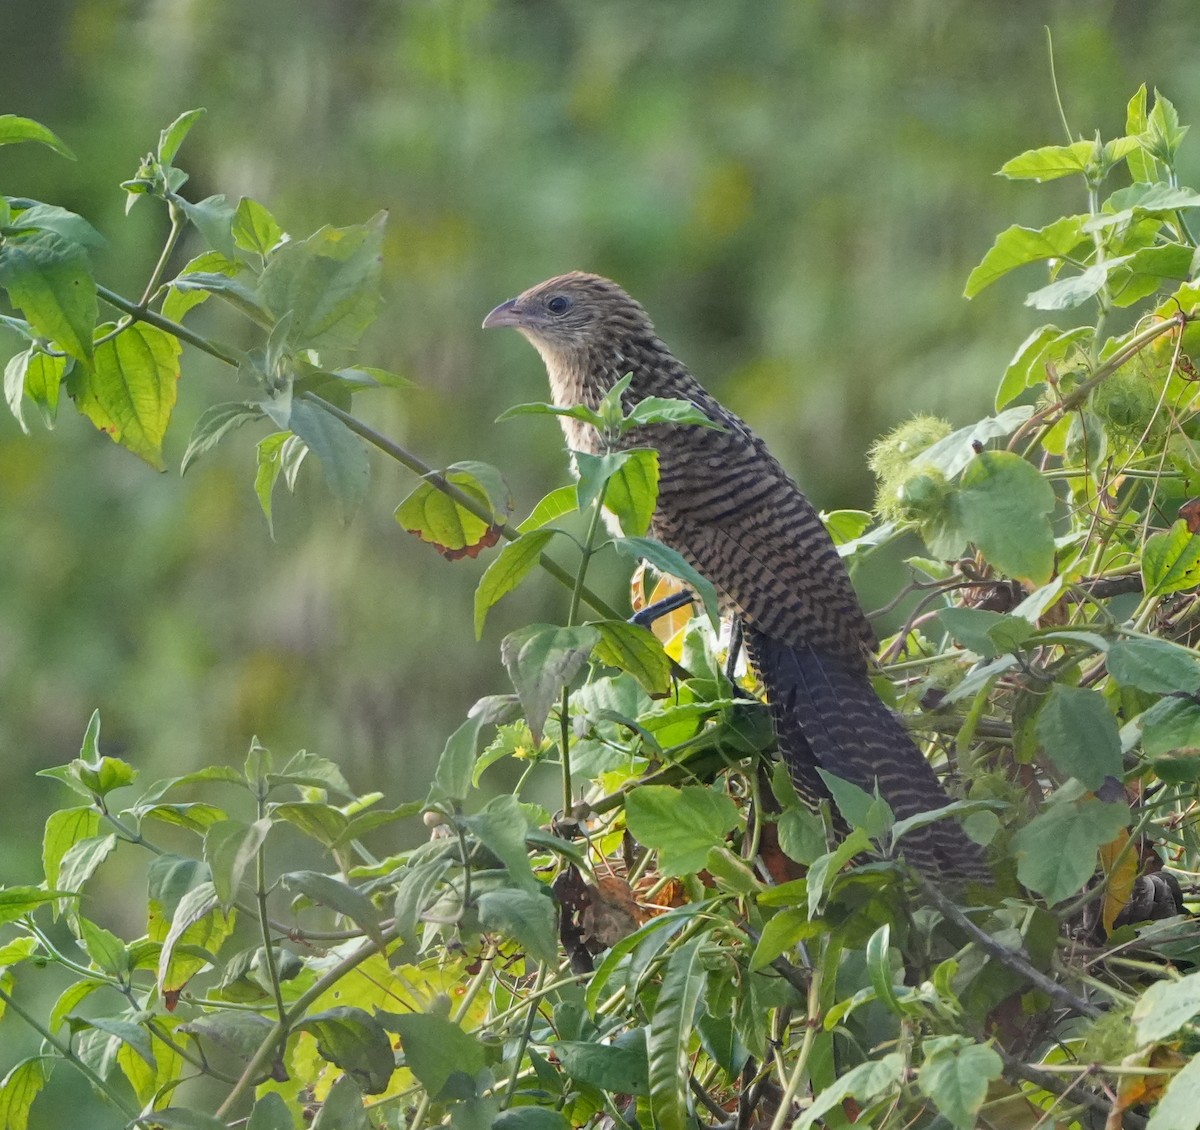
{"x":1048,"y":1082}
{"x":1008,"y":958}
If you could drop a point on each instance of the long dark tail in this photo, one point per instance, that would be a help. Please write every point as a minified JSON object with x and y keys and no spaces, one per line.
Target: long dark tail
{"x":828,"y":715}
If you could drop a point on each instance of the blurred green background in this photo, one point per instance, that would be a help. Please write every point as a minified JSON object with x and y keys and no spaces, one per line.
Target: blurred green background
{"x":796,"y":190}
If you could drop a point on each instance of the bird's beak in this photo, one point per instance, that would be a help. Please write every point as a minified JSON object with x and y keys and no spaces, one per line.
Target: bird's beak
{"x":506,"y":314}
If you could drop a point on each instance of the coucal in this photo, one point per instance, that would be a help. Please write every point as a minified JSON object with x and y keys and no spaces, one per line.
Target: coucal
{"x":731,"y":510}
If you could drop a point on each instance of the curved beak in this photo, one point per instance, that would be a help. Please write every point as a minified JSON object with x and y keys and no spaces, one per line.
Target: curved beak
{"x":506,"y":314}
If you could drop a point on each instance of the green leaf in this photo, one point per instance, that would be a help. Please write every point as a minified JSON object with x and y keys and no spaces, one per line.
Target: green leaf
{"x":865,"y":1083}
{"x":530,"y":1118}
{"x":453,"y":531}
{"x":356,"y":1042}
{"x":669,"y":410}
{"x":1165,"y":1007}
{"x":198,"y":903}
{"x":16,"y":902}
{"x":14,"y":129}
{"x":330,"y":283}
{"x":782,"y":934}
{"x":229,"y":848}
{"x":1004,"y":508}
{"x":557,"y":504}
{"x":801,"y":834}
{"x":254,"y":228}
{"x":826,"y":868}
{"x":308,"y":769}
{"x":682,"y":824}
{"x":1027,"y":368}
{"x":1079,"y":734}
{"x":1057,"y":850}
{"x":1179,"y":1108}
{"x":342,"y":454}
{"x":956,"y":1078}
{"x":49,"y":217}
{"x":1148,"y":270}
{"x":18,"y":950}
{"x":214,"y":425}
{"x":988,"y":634}
{"x":633,"y":491}
{"x":79,"y":863}
{"x":542,"y":659}
{"x":343,"y":1108}
{"x":130,"y":391}
{"x":1016,"y":246}
{"x":1074,"y":290}
{"x":1154,"y":666}
{"x":636,"y":650}
{"x":43,"y":382}
{"x":212,"y":217}
{"x":579,"y":412}
{"x":106,"y":950}
{"x":1164,"y":134}
{"x":278,"y":453}
{"x":452,"y":778}
{"x":239,"y":1032}
{"x":529,"y":918}
{"x":1172,"y":726}
{"x":49,"y":279}
{"x":877,"y":957}
{"x":954,"y":452}
{"x":1140,"y":163}
{"x":64,"y":829}
{"x":620,"y":1067}
{"x":667,"y":560}
{"x":270,"y":1112}
{"x":647,"y":939}
{"x":196,"y":816}
{"x":846,"y":525}
{"x":413,"y":891}
{"x":137,"y":1037}
{"x":1049,"y":162}
{"x":339,"y":897}
{"x":1171,"y":561}
{"x":25,"y":1080}
{"x":191,"y":288}
{"x":859,"y":807}
{"x":170,"y":139}
{"x":511,"y":566}
{"x":185,"y":291}
{"x":435,"y":1049}
{"x":501,"y":827}
{"x":595,"y":471}
{"x":669,"y":1033}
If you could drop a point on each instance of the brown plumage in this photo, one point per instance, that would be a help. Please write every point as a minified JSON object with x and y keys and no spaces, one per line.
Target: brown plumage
{"x":728,"y":506}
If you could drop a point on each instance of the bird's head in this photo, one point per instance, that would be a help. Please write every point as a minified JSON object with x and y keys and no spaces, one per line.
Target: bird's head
{"x":570,"y":314}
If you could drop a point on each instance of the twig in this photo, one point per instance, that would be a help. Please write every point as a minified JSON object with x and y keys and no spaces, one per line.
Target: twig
{"x":1048,"y":1082}
{"x":1009,"y":958}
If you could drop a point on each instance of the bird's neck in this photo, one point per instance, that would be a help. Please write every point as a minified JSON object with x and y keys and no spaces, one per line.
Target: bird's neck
{"x":586,"y":374}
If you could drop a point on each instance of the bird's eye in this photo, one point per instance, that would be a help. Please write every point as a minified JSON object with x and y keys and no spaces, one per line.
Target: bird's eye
{"x":559,"y":304}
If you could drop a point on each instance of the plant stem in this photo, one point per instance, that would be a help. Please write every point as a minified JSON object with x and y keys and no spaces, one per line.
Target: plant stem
{"x":260,"y":898}
{"x":140,"y":312}
{"x":1078,"y":395}
{"x":259,"y":1060}
{"x":178,"y":222}
{"x":534,"y":1006}
{"x":68,"y":1054}
{"x":811,"y":1024}
{"x":460,"y":498}
{"x":564,"y":714}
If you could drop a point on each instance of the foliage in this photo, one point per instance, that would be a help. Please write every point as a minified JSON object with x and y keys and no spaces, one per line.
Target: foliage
{"x":682,"y":941}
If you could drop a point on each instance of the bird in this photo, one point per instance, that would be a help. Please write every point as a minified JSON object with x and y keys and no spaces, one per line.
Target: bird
{"x":727,"y":505}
